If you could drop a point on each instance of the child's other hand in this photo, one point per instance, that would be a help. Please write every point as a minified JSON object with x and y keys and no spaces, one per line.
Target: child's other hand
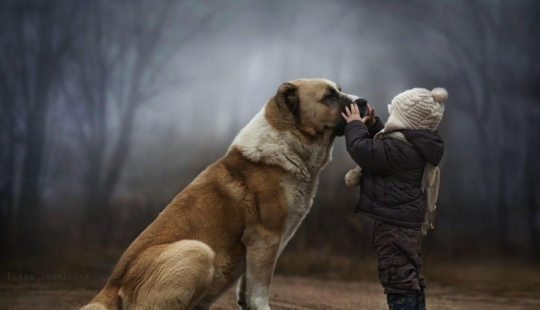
{"x":354,"y":114}
{"x":371,"y":114}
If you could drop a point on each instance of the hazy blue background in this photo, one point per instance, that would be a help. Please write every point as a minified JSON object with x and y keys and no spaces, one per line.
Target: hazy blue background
{"x":109,"y":108}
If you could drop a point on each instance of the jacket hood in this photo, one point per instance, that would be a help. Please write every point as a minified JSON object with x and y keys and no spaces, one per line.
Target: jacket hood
{"x":430,"y":144}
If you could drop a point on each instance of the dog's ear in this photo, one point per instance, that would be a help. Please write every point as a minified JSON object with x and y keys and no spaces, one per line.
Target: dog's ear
{"x":287,"y":97}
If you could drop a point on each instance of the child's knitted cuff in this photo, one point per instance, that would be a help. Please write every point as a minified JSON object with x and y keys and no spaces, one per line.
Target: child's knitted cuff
{"x":352,"y":178}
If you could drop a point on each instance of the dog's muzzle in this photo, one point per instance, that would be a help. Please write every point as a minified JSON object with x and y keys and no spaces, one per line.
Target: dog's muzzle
{"x":352,"y":97}
{"x":358,"y":100}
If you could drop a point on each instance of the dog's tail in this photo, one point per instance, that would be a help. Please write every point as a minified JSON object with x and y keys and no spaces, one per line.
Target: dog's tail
{"x":107,"y":299}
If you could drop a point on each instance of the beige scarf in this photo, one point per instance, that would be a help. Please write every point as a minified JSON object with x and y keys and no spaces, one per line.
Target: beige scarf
{"x":430,"y":182}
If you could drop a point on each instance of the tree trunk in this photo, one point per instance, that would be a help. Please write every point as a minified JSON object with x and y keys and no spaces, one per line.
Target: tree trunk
{"x":29,"y":211}
{"x":95,"y":204}
{"x":502,"y":213}
{"x":531,"y":185}
{"x":116,"y":163}
{"x":7,"y":203}
{"x":534,"y":227}
{"x":8,"y":144}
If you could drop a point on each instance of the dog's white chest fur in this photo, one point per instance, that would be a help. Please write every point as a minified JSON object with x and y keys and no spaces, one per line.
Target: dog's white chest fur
{"x":260,"y":142}
{"x":300,"y":198}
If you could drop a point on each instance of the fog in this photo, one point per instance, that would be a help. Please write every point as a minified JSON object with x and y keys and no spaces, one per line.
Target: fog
{"x":109,"y":108}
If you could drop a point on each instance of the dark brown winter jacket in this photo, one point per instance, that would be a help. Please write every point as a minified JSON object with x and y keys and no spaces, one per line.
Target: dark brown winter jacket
{"x":392,"y":171}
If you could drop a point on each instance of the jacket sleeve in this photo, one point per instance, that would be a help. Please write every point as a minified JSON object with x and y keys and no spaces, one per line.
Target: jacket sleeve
{"x":367,"y":153}
{"x":378,"y":126}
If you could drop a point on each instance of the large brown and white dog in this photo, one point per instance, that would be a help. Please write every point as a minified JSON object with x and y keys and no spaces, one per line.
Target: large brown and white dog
{"x":232,"y":222}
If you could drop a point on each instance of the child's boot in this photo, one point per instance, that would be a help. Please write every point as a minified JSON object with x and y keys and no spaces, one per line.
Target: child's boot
{"x":402,"y":302}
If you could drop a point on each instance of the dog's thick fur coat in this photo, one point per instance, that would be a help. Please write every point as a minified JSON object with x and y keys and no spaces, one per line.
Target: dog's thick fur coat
{"x":232,"y":222}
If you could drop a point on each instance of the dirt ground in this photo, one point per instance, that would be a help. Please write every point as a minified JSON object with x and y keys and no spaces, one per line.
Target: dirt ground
{"x":20,"y":291}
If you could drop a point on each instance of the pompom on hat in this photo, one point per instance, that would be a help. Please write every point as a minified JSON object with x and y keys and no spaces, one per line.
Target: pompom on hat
{"x":417,"y":108}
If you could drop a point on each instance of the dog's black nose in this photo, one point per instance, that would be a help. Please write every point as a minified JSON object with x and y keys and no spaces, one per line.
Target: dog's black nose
{"x":362,"y":106}
{"x":360,"y":102}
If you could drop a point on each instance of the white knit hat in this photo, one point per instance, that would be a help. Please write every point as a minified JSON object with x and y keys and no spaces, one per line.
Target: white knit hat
{"x":417,"y":108}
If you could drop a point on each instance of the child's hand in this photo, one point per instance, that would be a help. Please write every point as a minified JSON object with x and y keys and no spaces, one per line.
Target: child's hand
{"x":354,"y":114}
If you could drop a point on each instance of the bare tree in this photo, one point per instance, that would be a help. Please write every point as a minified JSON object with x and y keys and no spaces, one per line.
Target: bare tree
{"x":473,"y":45}
{"x":531,"y":183}
{"x":8,"y":141}
{"x":35,"y":45}
{"x":117,"y":67}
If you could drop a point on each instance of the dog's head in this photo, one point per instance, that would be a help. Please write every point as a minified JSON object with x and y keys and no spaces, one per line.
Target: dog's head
{"x":311,"y":106}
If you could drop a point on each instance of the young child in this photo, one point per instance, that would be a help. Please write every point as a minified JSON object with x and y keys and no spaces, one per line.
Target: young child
{"x":399,"y":185}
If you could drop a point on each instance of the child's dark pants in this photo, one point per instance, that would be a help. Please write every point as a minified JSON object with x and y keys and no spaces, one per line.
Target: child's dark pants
{"x":398,"y":255}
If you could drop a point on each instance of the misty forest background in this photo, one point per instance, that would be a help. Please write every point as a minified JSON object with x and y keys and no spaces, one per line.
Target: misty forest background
{"x":109,"y":108}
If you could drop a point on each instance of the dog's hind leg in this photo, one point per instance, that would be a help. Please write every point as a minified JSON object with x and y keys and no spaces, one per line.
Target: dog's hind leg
{"x":172,"y":276}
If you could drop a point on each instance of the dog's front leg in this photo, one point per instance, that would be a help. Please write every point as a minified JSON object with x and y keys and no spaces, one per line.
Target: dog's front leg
{"x":241,"y":292}
{"x":261,"y":259}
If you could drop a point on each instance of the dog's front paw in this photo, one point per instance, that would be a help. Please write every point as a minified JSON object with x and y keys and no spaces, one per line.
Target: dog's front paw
{"x":242,"y":304}
{"x":352,"y":178}
{"x":254,"y":307}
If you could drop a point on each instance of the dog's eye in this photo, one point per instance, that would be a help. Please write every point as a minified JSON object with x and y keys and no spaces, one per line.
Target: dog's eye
{"x":332,"y":95}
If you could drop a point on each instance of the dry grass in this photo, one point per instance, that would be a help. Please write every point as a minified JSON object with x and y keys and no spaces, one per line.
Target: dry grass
{"x":492,"y":278}
{"x":309,"y":280}
{"x":288,"y":293}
